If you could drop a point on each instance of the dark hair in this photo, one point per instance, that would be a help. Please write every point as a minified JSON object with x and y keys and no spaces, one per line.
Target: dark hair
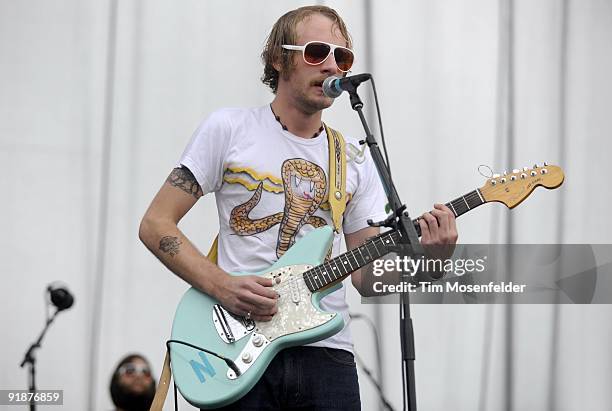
{"x":125,"y":399}
{"x":284,"y":32}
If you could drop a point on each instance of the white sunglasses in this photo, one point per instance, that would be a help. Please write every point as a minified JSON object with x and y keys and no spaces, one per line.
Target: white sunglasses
{"x":131,"y":369}
{"x":316,"y":52}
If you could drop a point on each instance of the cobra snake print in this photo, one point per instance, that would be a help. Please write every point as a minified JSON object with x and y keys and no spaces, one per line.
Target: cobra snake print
{"x":304,"y":186}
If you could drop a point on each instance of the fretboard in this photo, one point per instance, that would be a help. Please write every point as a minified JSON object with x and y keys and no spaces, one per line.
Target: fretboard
{"x":459,"y":206}
{"x":338,"y":268}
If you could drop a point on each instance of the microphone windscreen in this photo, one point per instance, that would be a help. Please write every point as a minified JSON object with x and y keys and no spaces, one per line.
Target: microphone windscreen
{"x":328,"y":87}
{"x":61,"y":298}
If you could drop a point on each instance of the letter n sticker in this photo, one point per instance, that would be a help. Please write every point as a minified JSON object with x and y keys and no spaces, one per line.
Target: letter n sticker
{"x":201,"y":368}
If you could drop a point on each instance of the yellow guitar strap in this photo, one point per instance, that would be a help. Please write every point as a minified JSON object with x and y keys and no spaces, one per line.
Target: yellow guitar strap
{"x":213,"y":252}
{"x":337,"y":176}
{"x":337,"y":203}
{"x":162,"y":386}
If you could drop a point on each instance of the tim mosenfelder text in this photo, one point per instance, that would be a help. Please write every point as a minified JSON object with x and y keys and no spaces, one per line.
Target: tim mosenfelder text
{"x":457,"y":266}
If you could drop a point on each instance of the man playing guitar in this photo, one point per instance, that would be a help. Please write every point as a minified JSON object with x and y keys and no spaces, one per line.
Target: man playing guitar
{"x":268,"y":168}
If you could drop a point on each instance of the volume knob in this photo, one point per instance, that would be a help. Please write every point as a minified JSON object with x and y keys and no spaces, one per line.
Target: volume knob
{"x":257,"y":341}
{"x":246,"y":357}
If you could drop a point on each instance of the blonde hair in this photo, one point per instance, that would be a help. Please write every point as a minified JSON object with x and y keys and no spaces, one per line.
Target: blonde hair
{"x":284,"y":32}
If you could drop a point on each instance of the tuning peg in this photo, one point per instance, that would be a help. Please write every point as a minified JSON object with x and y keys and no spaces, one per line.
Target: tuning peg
{"x":535,"y":166}
{"x":525,"y":168}
{"x":505,"y":172}
{"x":545,"y":164}
{"x":495,"y":175}
{"x":514,"y":171}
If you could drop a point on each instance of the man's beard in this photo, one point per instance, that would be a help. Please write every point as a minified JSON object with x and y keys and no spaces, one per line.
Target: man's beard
{"x":128,"y":400}
{"x":307,"y":104}
{"x":311,"y":105}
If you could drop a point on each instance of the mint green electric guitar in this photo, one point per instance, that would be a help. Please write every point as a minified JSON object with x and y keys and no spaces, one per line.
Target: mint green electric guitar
{"x":302,"y":278}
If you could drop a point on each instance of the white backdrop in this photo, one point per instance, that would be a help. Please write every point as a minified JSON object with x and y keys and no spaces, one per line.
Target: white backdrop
{"x":98,"y":100}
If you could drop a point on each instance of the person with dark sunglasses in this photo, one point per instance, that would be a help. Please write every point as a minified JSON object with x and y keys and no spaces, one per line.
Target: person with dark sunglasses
{"x":269,"y":168}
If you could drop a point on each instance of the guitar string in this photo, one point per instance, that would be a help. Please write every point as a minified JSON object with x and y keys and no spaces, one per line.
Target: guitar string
{"x":392,"y":235}
{"x":308,"y":275}
{"x":471,"y":200}
{"x":330,"y":269}
{"x":472,"y":197}
{"x":282,"y":289}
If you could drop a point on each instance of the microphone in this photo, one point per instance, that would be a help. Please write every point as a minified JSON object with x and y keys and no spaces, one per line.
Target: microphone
{"x":60,"y":297}
{"x":334,"y":86}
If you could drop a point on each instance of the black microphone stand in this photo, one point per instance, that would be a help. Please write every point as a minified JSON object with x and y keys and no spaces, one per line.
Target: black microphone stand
{"x":30,"y":359}
{"x":411,"y":247}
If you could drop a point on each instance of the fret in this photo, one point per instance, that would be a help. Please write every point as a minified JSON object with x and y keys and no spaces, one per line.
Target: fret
{"x":373,"y":250}
{"x":450,"y":205}
{"x":310,"y":285}
{"x":376,"y":248}
{"x":383,"y":244}
{"x":366,"y":247}
{"x":315,"y":278}
{"x":362,"y":257}
{"x":347,"y":261}
{"x":323,"y":272}
{"x":378,"y":245}
{"x":329,"y":271}
{"x":340,"y":267}
{"x":480,"y":195}
{"x":311,"y":282}
{"x":460,"y":206}
{"x":473,"y":199}
{"x":351,"y":253}
{"x":325,"y":281}
{"x":466,"y":203}
{"x":334,"y":268}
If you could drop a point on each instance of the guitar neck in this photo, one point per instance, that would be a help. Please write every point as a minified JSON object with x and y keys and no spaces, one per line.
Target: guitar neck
{"x":338,"y":268}
{"x":341,"y":266}
{"x":459,"y":206}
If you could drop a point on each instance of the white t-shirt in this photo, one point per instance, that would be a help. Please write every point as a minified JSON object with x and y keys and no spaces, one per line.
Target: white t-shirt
{"x":271,"y":189}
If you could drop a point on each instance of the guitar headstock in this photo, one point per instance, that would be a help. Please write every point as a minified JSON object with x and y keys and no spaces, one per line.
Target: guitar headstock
{"x":512,"y":188}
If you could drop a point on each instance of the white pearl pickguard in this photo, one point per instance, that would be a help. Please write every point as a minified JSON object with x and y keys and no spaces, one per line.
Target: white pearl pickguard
{"x":295,"y":310}
{"x":295,"y":314}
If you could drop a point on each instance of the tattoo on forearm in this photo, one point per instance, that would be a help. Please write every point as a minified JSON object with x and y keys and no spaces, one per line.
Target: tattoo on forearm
{"x":183,"y":178}
{"x":170,"y":245}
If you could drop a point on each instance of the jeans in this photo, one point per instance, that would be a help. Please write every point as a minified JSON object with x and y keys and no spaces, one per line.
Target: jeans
{"x":305,"y":378}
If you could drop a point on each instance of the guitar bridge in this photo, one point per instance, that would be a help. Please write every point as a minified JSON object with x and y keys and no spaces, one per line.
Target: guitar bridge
{"x":231,"y":327}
